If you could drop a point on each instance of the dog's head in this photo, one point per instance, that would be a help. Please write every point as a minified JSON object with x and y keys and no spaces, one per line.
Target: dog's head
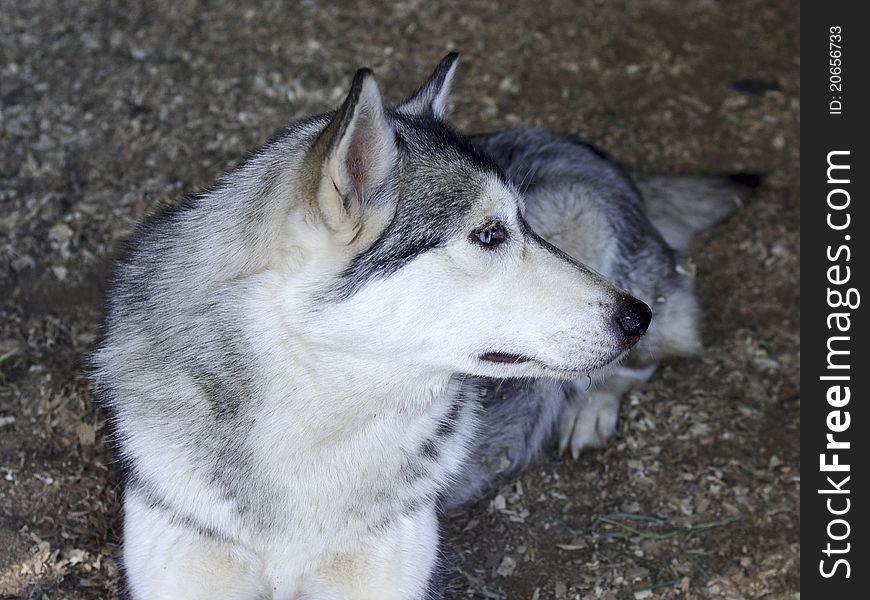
{"x":417,"y":253}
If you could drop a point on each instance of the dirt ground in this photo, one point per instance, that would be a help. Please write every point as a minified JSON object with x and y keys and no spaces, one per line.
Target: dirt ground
{"x":108,"y":107}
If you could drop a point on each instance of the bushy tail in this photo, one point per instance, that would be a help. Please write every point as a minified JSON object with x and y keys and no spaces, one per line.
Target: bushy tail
{"x":681,"y":206}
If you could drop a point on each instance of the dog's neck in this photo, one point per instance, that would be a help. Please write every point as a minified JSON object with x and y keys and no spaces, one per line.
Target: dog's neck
{"x":363,"y":383}
{"x":327,"y":391}
{"x":340,"y":408}
{"x":339,"y":394}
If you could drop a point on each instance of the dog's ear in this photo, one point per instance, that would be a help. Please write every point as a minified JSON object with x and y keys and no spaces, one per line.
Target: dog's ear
{"x":431,"y":98}
{"x":358,"y":153}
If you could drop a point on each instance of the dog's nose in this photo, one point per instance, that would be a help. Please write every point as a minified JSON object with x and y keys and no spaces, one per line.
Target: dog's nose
{"x":633,"y":318}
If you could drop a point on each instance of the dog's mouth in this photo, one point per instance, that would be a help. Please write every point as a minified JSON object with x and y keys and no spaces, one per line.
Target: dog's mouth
{"x":504,"y":357}
{"x":509,"y":358}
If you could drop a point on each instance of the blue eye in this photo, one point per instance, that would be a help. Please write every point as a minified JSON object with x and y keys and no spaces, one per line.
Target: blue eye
{"x":490,"y":235}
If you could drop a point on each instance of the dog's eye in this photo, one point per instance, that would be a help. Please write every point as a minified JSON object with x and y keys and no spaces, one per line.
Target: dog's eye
{"x":490,"y":235}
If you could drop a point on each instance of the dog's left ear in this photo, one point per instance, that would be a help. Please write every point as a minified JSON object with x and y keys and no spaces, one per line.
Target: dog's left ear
{"x":431,"y":98}
{"x":358,"y":155}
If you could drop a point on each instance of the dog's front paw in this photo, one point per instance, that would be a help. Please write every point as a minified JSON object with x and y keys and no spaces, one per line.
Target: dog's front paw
{"x":587,"y":421}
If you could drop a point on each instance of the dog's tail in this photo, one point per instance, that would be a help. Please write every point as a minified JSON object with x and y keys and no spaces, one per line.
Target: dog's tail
{"x":681,"y":206}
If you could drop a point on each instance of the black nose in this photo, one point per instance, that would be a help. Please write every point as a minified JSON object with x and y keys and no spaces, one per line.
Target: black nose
{"x":633,"y":317}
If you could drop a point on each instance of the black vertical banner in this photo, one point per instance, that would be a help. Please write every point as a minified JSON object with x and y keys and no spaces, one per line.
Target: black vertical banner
{"x":835,"y":191}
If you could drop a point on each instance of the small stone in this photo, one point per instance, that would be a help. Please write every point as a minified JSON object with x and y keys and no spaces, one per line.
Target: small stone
{"x":139,"y":207}
{"x":60,"y":272}
{"x":60,"y":233}
{"x":86,"y":433}
{"x":507,"y":567}
{"x":509,"y":85}
{"x":23,"y":262}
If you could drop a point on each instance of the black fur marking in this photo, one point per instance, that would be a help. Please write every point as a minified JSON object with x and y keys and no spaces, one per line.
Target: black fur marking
{"x":438,"y":180}
{"x":252,"y":498}
{"x":412,"y":506}
{"x":141,"y":488}
{"x":223,"y":384}
{"x":430,"y":449}
{"x":414,"y":470}
{"x":386,"y":257}
{"x":447,"y":425}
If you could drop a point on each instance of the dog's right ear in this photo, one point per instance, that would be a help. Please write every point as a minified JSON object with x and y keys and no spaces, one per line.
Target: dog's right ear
{"x":357,"y":152}
{"x":431,"y":98}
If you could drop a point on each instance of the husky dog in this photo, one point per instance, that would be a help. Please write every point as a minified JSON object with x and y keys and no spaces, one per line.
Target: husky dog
{"x":304,"y":364}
